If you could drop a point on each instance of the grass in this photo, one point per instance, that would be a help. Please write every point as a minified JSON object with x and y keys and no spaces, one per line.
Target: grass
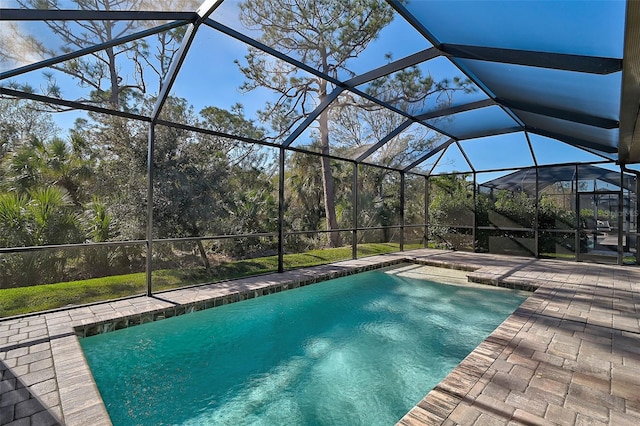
{"x":626,"y":260}
{"x":564,"y":256}
{"x":22,"y":300}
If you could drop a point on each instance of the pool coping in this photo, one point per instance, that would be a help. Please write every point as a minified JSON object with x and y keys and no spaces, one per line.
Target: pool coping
{"x":75,"y":397}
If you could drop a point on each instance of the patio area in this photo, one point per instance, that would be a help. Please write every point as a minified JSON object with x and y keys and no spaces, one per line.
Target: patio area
{"x":569,"y":355}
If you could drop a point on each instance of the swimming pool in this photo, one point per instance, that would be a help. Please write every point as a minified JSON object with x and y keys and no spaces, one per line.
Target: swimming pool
{"x":361,"y":349}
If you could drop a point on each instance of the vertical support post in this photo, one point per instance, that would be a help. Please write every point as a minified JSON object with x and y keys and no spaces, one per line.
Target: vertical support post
{"x":474,"y":231}
{"x":281,"y":211}
{"x":354,"y":230}
{"x":536,"y":220}
{"x":635,"y":221}
{"x":626,"y":201}
{"x":578,"y":218}
{"x":621,"y":218}
{"x":426,"y":212}
{"x":402,"y":195}
{"x":150,"y":152}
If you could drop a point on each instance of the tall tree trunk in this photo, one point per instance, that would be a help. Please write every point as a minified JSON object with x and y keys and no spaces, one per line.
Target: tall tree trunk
{"x":203,"y":255}
{"x":327,"y":182}
{"x":114,"y":96}
{"x":201,"y":250}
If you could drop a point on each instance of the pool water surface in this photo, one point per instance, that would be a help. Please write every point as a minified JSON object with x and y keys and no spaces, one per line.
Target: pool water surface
{"x":357,"y":350}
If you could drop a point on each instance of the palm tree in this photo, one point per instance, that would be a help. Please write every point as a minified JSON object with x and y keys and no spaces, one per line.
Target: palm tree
{"x":42,"y":216}
{"x":37,"y":163}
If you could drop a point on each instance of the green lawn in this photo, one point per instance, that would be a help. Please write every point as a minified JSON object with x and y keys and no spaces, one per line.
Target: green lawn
{"x":16,"y":301}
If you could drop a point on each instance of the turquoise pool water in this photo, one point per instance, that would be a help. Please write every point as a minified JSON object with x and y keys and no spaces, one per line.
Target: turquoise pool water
{"x":358,"y":350}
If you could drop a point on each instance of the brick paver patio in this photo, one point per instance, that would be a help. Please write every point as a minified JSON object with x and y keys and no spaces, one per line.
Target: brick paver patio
{"x":569,"y":355}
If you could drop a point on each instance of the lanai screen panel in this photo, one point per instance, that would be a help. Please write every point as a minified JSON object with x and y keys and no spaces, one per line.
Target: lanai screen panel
{"x":448,"y":87}
{"x":525,"y":179}
{"x":315,"y":19}
{"x":565,"y":27}
{"x":475,"y":123}
{"x":406,"y":148}
{"x":544,"y":62}
{"x":99,"y":68}
{"x":590,"y":93}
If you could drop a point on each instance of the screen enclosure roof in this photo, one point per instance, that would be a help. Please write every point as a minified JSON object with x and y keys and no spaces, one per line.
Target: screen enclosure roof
{"x":506,"y":83}
{"x":583,"y":178}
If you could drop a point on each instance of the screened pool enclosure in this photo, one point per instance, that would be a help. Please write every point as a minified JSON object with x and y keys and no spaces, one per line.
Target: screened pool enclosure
{"x":168,"y":143}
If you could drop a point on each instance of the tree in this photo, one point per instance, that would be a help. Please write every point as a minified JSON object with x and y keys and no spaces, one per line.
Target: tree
{"x":43,"y":163}
{"x":41,"y":216}
{"x":325,"y":34}
{"x":246,"y":190}
{"x":252,"y":208}
{"x":451,"y":208}
{"x":120,"y":149}
{"x":190,"y":188}
{"x":232,"y":122}
{"x":20,"y":120}
{"x":110,"y":80}
{"x":303,"y":203}
{"x":379,"y":199}
{"x":98,"y":227}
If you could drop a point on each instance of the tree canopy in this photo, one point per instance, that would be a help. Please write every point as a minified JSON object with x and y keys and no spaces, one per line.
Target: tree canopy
{"x":328,"y":35}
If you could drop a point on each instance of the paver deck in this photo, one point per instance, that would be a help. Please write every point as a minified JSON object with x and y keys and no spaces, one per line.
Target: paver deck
{"x":569,"y":355}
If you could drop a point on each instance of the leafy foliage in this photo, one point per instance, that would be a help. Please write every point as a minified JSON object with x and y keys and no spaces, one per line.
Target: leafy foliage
{"x":328,"y":34}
